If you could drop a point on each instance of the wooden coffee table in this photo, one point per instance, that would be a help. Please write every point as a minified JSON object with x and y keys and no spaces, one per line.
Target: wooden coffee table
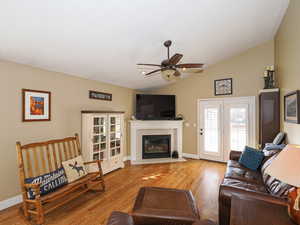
{"x":163,"y":206}
{"x":246,"y":211}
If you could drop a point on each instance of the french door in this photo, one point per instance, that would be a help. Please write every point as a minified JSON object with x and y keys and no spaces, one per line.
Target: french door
{"x":225,"y":124}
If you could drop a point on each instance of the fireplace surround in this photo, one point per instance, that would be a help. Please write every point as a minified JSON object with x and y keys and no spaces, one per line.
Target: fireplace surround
{"x":139,"y":128}
{"x":156,"y":146}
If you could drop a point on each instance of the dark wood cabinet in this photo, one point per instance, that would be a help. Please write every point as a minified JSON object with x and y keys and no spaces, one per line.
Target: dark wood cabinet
{"x":269,"y":115}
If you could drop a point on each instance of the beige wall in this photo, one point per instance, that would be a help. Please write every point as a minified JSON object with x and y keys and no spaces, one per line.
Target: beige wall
{"x":287,"y":48}
{"x":246,"y":70}
{"x":69,"y":97}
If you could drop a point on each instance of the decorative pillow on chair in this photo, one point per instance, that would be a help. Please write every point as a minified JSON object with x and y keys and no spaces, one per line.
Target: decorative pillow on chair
{"x":48,"y":182}
{"x":74,"y":168}
{"x":271,"y":146}
{"x":251,"y":158}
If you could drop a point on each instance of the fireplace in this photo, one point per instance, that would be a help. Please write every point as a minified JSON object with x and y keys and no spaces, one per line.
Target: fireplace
{"x":156,"y":146}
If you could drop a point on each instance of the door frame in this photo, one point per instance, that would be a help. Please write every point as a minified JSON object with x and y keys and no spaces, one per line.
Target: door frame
{"x":252,"y":120}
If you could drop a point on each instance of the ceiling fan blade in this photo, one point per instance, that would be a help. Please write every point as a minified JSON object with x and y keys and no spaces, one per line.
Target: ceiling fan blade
{"x":146,"y":64}
{"x":154,"y":71}
{"x":175,"y":59}
{"x":190,"y":65}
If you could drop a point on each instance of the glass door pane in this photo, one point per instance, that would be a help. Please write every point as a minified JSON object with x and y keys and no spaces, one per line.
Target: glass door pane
{"x":238,"y":128}
{"x":114,"y":135}
{"x":99,"y":138}
{"x":211,"y":130}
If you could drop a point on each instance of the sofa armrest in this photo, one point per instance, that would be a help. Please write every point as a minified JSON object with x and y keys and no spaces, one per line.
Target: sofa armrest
{"x":119,"y":218}
{"x":226,"y":192}
{"x":235,"y":155}
{"x":91,"y":162}
{"x":229,"y":191}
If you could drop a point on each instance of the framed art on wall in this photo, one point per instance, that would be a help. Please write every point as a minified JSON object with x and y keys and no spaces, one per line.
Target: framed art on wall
{"x":36,"y":105}
{"x":292,"y":107}
{"x":223,"y":87}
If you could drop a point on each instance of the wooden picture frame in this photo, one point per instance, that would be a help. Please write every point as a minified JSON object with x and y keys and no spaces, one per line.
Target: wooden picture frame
{"x":36,"y":105}
{"x":292,"y":107}
{"x":223,"y":86}
{"x":100,"y":95}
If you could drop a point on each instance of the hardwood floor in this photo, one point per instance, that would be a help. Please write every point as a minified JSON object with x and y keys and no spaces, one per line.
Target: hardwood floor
{"x":202,"y":177}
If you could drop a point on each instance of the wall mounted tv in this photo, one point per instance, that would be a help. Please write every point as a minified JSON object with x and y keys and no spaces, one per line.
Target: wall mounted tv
{"x":155,"y":107}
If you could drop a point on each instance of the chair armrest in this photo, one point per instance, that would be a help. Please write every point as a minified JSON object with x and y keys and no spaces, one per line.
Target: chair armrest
{"x":235,"y":155}
{"x":33,"y":186}
{"x":119,"y":218}
{"x":36,"y":189}
{"x":98,"y":162}
{"x":91,"y":162}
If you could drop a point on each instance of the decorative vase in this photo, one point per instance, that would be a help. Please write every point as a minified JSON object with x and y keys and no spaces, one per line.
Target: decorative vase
{"x":267,"y":81}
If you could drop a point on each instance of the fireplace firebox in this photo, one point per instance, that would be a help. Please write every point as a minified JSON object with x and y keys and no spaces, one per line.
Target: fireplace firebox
{"x":156,"y":146}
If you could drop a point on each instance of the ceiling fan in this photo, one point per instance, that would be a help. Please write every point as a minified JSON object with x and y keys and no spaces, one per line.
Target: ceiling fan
{"x":169,"y":67}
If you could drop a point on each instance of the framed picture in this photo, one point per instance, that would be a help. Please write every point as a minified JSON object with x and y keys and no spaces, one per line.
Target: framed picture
{"x":223,"y":86}
{"x":100,"y":95}
{"x":292,"y":107}
{"x":36,"y":105}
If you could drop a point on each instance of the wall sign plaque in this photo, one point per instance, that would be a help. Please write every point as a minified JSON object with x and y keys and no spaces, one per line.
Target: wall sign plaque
{"x":100,"y":95}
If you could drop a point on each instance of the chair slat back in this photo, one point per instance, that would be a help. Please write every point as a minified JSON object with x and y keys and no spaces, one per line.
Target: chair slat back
{"x":43,"y":157}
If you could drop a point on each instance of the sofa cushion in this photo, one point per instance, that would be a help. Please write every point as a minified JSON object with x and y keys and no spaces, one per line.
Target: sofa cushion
{"x":239,"y":184}
{"x":237,"y":171}
{"x":273,"y":186}
{"x":251,"y":158}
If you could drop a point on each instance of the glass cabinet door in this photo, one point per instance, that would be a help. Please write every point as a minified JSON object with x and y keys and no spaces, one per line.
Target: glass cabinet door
{"x":99,"y":138}
{"x":115,"y":135}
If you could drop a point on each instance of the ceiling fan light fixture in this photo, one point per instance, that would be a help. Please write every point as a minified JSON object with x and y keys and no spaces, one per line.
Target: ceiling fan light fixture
{"x":168,"y":75}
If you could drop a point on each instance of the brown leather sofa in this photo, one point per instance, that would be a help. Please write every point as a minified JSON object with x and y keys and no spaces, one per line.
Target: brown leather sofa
{"x":239,"y":180}
{"x":119,"y":218}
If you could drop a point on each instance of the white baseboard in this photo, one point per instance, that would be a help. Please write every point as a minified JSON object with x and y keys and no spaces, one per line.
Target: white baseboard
{"x":190,"y":156}
{"x":10,"y":202}
{"x":126,"y":158}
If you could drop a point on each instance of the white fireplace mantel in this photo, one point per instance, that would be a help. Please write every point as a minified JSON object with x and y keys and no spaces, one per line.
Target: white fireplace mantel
{"x":160,"y":126}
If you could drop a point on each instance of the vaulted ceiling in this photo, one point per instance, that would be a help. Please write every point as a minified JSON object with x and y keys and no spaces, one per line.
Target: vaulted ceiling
{"x":103,"y":40}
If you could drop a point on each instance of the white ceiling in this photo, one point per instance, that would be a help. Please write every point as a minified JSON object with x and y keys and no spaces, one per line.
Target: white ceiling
{"x":103,"y":40}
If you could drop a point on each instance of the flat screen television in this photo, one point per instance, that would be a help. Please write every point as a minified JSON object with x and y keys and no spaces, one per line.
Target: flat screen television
{"x":155,"y":107}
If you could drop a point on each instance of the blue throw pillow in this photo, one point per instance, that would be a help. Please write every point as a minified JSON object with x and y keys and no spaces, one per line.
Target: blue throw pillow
{"x":49,"y":182}
{"x":271,"y":146}
{"x":251,"y":158}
